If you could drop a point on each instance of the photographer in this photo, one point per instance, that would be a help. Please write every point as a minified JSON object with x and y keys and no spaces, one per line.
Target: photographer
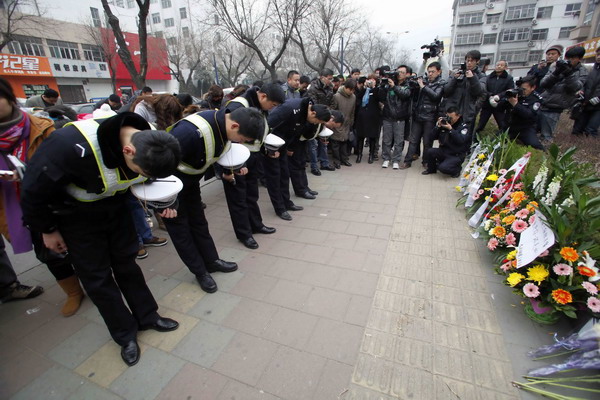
{"x":497,"y":84}
{"x":465,"y":87}
{"x":395,"y":95}
{"x":561,"y":84}
{"x":455,"y":141}
{"x":540,"y":70}
{"x":524,"y":104}
{"x":321,"y":92}
{"x":589,"y":120}
{"x":425,"y":112}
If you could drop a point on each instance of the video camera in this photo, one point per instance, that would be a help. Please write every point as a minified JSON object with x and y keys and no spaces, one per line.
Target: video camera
{"x":435,"y":48}
{"x":564,"y":67}
{"x":510,"y":93}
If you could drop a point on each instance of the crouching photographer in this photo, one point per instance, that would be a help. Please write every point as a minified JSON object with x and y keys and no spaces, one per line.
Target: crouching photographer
{"x":455,"y":140}
{"x":523,"y":106}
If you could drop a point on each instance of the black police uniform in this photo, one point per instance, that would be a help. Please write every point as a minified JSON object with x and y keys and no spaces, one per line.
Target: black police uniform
{"x":454,"y":145}
{"x":523,"y":119}
{"x":189,"y":230}
{"x":287,"y":121}
{"x":242,"y":198}
{"x":64,"y":190}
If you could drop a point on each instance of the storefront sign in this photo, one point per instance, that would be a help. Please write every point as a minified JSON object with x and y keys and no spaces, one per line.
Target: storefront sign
{"x":590,"y":47}
{"x":18,"y":65}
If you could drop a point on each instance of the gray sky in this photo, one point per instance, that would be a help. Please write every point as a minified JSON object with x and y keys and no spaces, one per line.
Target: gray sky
{"x":424,"y":19}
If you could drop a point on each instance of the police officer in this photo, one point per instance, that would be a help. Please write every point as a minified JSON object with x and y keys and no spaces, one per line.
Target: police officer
{"x":73,"y":192}
{"x":294,"y":118}
{"x":455,"y":140}
{"x":523,"y":113}
{"x":203,"y":137}
{"x":242,"y":197}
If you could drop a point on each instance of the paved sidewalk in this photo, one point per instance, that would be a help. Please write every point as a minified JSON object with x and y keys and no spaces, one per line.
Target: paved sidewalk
{"x":375,"y":291}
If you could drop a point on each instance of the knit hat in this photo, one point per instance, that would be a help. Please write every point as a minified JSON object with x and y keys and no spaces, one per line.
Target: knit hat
{"x":556,"y":47}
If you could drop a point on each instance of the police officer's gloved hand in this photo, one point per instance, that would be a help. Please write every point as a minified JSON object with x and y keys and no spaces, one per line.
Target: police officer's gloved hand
{"x":494,"y":101}
{"x":594,"y":101}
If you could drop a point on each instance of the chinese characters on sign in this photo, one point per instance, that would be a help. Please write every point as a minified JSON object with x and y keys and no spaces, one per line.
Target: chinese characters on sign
{"x":589,"y":45}
{"x":11,"y":64}
{"x":534,"y":240}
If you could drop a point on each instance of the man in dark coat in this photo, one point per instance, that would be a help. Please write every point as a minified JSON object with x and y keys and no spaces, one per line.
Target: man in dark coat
{"x":368,"y":117}
{"x":497,"y":84}
{"x":589,"y":121}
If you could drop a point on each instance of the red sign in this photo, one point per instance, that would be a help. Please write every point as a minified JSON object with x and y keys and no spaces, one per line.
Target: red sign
{"x":158,"y":60}
{"x":18,"y":65}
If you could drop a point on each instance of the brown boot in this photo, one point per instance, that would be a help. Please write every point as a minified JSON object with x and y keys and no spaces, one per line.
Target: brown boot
{"x":74,"y":295}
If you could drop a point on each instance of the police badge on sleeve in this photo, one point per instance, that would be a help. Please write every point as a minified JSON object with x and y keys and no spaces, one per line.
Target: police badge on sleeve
{"x":536,"y":106}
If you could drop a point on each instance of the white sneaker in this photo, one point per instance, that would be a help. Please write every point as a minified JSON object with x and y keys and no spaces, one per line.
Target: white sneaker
{"x":385,"y":164}
{"x":396,"y":165}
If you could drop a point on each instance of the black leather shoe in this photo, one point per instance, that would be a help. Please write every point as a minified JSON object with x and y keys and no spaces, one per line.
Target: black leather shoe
{"x":315,"y":172}
{"x":130,"y":353}
{"x":427,"y":172}
{"x":294,"y":207}
{"x":359,"y":158}
{"x":222,"y":266}
{"x":207,"y":283}
{"x":328,"y":168}
{"x":336,"y":166}
{"x":370,"y":161}
{"x":267,"y":230}
{"x":347,"y":163}
{"x":307,"y":195}
{"x":285,"y":216}
{"x":250,"y":243}
{"x":313,"y":192}
{"x":162,"y":324}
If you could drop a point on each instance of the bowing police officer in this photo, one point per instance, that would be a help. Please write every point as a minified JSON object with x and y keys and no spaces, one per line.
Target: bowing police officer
{"x":73,"y":192}
{"x":203,"y":138}
{"x":294,"y":118}
{"x":455,"y":140}
{"x":242,"y":198}
{"x":523,"y":108}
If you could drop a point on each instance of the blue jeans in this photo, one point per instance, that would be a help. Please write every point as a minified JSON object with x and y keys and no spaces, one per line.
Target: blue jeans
{"x":588,"y":123}
{"x":548,"y":121}
{"x":318,"y":153}
{"x":144,"y":233}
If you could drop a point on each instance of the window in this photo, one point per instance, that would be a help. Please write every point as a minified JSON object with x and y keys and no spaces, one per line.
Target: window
{"x":470,"y":18}
{"x":520,"y":12}
{"x":95,"y":16}
{"x":169,"y":22}
{"x":544,"y":12}
{"x":515,"y":34}
{"x":468,"y":38}
{"x":565,"y":31}
{"x":60,"y":49}
{"x":589,"y":14}
{"x":156,"y":18}
{"x":172,"y":41}
{"x":183,"y":13}
{"x":158,"y":34}
{"x":57,"y":67}
{"x":493,"y":19}
{"x":92,"y":53}
{"x":102,"y":67}
{"x":539,"y":34}
{"x":119,"y":3}
{"x":467,"y":2}
{"x":514,"y":56}
{"x":535,"y":56}
{"x":165,"y":3}
{"x":458,"y":57}
{"x":490,"y":38}
{"x":573,"y":9}
{"x":130,"y":3}
{"x":185,"y":31}
{"x":28,"y":46}
{"x":216,"y":19}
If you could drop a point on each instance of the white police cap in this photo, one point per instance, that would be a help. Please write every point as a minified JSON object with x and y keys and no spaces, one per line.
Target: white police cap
{"x":235,"y":157}
{"x":273,"y":142}
{"x":161,"y":193}
{"x":325,"y":133}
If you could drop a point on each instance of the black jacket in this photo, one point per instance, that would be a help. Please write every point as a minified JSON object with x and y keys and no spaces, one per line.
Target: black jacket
{"x":428,"y":100}
{"x":65,"y":158}
{"x":498,"y":85}
{"x":456,"y":141}
{"x":591,"y":88}
{"x":560,"y":89}
{"x":465,"y":93}
{"x":524,"y":113}
{"x":288,"y":121}
{"x":396,"y":102}
{"x":538,"y":72}
{"x":320,"y":93}
{"x":252,"y":96}
{"x":368,"y":119}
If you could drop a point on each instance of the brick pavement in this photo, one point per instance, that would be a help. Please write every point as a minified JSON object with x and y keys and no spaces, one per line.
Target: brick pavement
{"x":374,"y":291}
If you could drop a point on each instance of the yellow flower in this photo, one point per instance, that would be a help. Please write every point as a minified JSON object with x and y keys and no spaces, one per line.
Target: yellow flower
{"x":569,"y":254}
{"x":509,"y":219}
{"x":481,"y":156}
{"x":492,"y":177}
{"x":512,"y":255}
{"x":537,"y":274}
{"x":458,"y":188}
{"x":532,"y":206}
{"x":518,"y":197}
{"x":514,"y":279}
{"x":498,"y":231}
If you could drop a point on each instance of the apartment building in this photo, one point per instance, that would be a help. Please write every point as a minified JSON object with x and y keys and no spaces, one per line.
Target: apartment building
{"x":518,"y":31}
{"x":587,"y":31}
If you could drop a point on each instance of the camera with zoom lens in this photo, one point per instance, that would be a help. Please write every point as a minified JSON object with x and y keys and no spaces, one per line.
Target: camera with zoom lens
{"x":510,"y":93}
{"x":445,"y":120}
{"x":393,"y":75}
{"x":435,"y":48}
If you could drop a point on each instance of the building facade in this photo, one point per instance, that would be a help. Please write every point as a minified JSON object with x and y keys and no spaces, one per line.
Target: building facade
{"x":587,"y":31}
{"x":518,"y":31}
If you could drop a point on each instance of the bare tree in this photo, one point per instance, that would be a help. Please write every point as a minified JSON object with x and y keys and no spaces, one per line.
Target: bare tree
{"x":187,"y":53}
{"x":103,"y":39}
{"x":233,"y":60}
{"x":13,"y":22}
{"x":138,"y":77}
{"x":264,"y":27}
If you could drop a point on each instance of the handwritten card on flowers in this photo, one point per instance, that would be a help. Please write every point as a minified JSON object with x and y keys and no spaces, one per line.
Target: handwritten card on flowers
{"x":534,"y":240}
